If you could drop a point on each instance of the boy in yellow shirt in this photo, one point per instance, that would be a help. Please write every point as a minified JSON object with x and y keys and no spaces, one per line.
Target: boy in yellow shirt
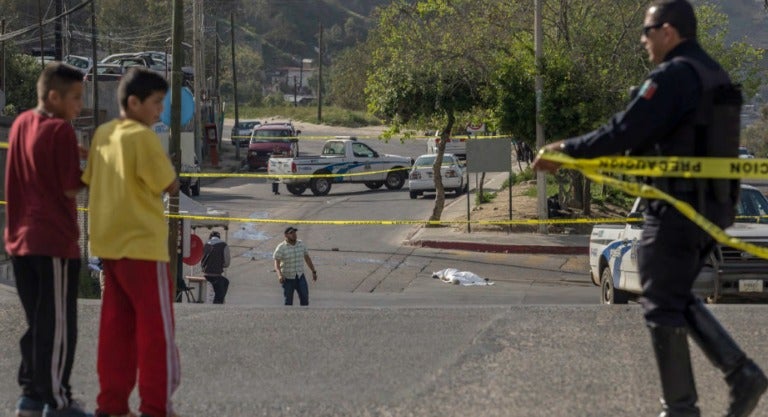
{"x":127,"y":173}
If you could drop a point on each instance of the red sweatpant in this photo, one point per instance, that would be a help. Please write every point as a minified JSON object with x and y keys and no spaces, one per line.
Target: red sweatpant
{"x":136,"y":334}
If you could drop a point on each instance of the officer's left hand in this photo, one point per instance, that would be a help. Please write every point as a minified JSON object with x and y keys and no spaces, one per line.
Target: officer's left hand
{"x":540,"y":164}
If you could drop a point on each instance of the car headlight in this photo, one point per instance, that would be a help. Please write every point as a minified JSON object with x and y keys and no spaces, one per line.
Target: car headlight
{"x":416,"y":175}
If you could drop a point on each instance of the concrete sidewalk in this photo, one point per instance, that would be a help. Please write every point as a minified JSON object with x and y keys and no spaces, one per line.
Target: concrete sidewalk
{"x":500,"y":242}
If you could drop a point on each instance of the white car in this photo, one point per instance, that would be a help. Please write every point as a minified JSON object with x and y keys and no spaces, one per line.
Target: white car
{"x":456,"y":145}
{"x":744,"y":153}
{"x":420,"y":179}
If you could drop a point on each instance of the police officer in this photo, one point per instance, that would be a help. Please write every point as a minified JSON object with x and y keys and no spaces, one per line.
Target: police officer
{"x":671,"y":115}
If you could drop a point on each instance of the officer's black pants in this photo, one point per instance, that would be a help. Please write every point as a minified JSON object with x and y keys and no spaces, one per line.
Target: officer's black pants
{"x":671,"y":253}
{"x":47,"y":288}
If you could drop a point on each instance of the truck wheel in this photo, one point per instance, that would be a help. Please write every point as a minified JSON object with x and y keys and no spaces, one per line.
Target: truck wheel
{"x":374,"y":185}
{"x":296,"y":189}
{"x":320,"y":186}
{"x":195,"y":188}
{"x":395,"y":180}
{"x":459,"y":191}
{"x":608,"y":293}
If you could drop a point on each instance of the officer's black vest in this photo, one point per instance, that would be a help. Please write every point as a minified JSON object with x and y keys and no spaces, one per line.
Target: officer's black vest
{"x":713,"y":130}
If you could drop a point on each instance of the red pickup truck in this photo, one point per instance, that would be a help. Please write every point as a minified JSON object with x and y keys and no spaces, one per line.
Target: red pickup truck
{"x":272,"y":138}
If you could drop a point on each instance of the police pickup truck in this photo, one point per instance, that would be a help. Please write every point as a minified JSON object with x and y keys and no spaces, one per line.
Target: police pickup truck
{"x":343,"y":155}
{"x":728,"y":274}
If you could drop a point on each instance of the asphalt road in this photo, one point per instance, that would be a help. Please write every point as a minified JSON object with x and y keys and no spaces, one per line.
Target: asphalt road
{"x":382,"y":338}
{"x":367,"y":265}
{"x":506,"y":361}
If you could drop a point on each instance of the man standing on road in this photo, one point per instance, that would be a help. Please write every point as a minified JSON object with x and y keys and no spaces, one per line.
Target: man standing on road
{"x":687,"y":106}
{"x":215,"y":259}
{"x":290,"y":256}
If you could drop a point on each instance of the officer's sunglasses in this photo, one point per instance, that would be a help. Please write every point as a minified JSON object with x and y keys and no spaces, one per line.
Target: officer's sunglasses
{"x":647,"y":29}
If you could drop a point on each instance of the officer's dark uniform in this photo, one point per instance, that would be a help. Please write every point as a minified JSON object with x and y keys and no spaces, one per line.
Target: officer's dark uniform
{"x":660,"y":120}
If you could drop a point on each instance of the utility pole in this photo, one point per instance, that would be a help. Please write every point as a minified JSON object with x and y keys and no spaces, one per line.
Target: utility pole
{"x":234,"y":79}
{"x":216,"y":66}
{"x":295,"y":90}
{"x":95,"y":82}
{"x":174,"y":226}
{"x":541,"y":176}
{"x":2,"y":57}
{"x":197,"y":41}
{"x":58,"y":45}
{"x":216,"y":90}
{"x":40,"y":24}
{"x":320,"y":73}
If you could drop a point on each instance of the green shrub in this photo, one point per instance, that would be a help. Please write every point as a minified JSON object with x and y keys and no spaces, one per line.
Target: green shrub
{"x":486,"y":197}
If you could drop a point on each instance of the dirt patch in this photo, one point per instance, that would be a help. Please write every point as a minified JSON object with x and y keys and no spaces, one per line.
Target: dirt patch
{"x":525,"y":207}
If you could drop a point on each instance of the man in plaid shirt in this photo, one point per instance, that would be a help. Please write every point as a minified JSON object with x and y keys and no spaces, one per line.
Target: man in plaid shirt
{"x":290,"y":256}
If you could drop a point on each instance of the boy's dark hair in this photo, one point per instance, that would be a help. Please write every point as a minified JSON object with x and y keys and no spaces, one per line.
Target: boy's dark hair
{"x":57,"y":76}
{"x":679,"y":14}
{"x":139,"y":82}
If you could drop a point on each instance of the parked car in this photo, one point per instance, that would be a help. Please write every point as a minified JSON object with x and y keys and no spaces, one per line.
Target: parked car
{"x":745,"y":153}
{"x":84,"y":64}
{"x":456,"y":145}
{"x":271,"y":138}
{"x":142,"y":59}
{"x":105,"y":72}
{"x":190,"y":185}
{"x":728,"y":274}
{"x":241,"y":132}
{"x":421,"y":178}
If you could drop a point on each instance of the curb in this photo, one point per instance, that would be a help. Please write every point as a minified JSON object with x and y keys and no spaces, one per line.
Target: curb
{"x":501,"y":248}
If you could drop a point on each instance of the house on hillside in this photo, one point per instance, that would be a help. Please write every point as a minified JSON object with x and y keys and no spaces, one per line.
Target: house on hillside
{"x":290,"y":80}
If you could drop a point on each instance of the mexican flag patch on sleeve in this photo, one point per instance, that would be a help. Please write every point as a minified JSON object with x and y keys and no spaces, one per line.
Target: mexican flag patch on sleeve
{"x":648,"y":89}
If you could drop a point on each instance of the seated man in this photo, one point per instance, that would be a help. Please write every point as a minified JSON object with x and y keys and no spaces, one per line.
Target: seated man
{"x":215,"y":259}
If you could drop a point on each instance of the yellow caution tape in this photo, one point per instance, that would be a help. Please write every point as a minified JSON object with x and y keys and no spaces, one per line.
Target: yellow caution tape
{"x":379,"y":137}
{"x":673,"y":166}
{"x":271,"y":176}
{"x":587,"y":167}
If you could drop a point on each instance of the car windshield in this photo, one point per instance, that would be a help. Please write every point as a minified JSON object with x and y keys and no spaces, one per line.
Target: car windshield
{"x":429,"y":160}
{"x":272,"y":133}
{"x":246,"y":125}
{"x":262,"y":140}
{"x":752,"y":203}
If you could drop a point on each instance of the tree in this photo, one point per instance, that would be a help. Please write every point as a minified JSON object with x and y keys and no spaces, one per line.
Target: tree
{"x":430,"y":61}
{"x":591,"y":59}
{"x":348,"y":77}
{"x":24,"y":71}
{"x":754,"y":135}
{"x":250,"y":75}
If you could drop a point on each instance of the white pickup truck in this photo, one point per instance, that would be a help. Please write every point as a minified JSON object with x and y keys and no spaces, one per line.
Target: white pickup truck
{"x":729,"y":274}
{"x":341,"y":156}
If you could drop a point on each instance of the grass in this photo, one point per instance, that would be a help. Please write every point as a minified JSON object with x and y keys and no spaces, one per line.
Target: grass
{"x":612,"y":196}
{"x":332,"y":116}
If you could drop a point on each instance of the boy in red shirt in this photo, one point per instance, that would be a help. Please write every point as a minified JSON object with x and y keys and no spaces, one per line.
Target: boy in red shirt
{"x":42,"y":178}
{"x":127,"y":173}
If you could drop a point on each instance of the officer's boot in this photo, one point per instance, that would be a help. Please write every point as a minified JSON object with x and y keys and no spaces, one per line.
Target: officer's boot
{"x":745,"y":379}
{"x":670,"y":344}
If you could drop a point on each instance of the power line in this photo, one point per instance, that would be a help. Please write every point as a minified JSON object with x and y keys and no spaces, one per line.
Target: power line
{"x":19,"y":32}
